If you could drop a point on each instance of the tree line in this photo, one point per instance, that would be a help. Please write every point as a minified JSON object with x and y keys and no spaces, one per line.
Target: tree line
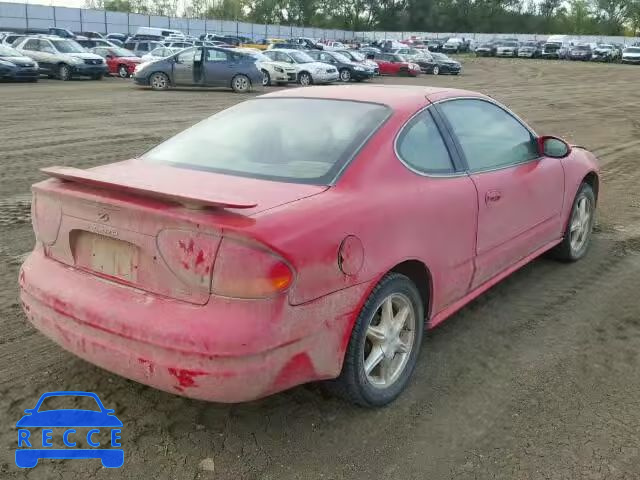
{"x":580,"y":17}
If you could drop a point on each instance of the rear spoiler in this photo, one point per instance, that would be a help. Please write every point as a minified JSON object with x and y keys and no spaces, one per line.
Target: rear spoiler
{"x":138,"y":187}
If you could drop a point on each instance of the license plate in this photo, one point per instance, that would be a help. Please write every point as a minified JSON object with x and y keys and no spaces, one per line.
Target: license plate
{"x":105,"y":255}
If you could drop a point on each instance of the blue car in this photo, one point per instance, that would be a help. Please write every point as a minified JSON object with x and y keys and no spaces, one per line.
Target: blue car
{"x":201,"y":67}
{"x":67,"y":419}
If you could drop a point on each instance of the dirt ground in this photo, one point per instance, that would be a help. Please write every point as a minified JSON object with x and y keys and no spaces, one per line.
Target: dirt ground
{"x":538,"y":379}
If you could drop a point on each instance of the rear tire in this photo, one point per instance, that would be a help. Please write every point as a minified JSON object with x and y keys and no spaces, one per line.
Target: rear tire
{"x":241,"y":84}
{"x":98,"y":77}
{"x":384,"y":347}
{"x":123,"y":71}
{"x":266,"y":78}
{"x":345,"y":75}
{"x":579,"y":229}
{"x":436,"y":70}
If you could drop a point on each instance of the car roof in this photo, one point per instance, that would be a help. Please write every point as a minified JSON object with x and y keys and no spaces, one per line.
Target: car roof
{"x":395,"y":96}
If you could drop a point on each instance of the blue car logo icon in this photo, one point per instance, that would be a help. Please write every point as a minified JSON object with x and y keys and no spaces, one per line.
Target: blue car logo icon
{"x":29,"y":452}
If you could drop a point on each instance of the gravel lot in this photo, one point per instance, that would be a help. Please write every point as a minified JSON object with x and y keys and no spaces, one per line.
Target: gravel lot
{"x":538,"y":379}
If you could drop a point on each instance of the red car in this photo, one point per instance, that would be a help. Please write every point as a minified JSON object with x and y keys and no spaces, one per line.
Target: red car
{"x":395,"y":64}
{"x":253,"y":251}
{"x":120,"y":61}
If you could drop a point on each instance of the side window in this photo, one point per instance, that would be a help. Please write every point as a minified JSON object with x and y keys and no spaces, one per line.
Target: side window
{"x":46,"y":46}
{"x":420,"y":145}
{"x":490,"y":137}
{"x":31,"y":45}
{"x":185,"y":57}
{"x":216,"y":56}
{"x":130,"y":46}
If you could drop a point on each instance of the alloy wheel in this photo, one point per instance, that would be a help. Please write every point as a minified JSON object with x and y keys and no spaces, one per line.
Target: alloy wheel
{"x":581,"y":222}
{"x":389,"y":341}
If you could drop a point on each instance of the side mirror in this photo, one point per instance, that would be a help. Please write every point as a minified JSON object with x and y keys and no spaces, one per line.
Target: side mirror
{"x":553,"y":147}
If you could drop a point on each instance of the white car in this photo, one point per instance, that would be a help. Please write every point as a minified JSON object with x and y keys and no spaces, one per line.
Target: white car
{"x":62,"y":58}
{"x":307,"y":69}
{"x":507,"y":49}
{"x":335,"y":46}
{"x":159,"y":53}
{"x":273,"y":72}
{"x":631,"y":55}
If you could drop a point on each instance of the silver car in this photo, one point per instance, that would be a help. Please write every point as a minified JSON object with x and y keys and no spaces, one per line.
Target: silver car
{"x":62,"y":58}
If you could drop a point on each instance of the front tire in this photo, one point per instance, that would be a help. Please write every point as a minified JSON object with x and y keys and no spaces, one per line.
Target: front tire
{"x":384,"y":345}
{"x":579,"y":229}
{"x":266,"y":78}
{"x":436,"y":70}
{"x":64,"y":72}
{"x":123,"y":72}
{"x":241,"y":84}
{"x":159,"y":81}
{"x":305,"y":79}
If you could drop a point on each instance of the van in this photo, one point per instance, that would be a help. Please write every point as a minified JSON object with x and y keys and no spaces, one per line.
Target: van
{"x":158,"y":32}
{"x":557,"y":46}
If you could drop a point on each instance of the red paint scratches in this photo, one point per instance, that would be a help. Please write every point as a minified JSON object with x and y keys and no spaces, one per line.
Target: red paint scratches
{"x":185,"y":377}
{"x":298,"y":369}
{"x":147,"y":366}
{"x":187,"y":248}
{"x":200,"y":258}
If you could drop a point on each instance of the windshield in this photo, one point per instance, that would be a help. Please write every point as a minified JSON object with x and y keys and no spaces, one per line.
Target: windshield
{"x":583,"y":47}
{"x":122,"y":52}
{"x":508,"y":44}
{"x":9,"y":52}
{"x":67,"y":46}
{"x":439,"y":56}
{"x":358,"y":57}
{"x":264,"y":138}
{"x":257,"y":55}
{"x":632,"y":50}
{"x":301,"y":57}
{"x":341,"y":58}
{"x":529,"y":44}
{"x":605,"y":47}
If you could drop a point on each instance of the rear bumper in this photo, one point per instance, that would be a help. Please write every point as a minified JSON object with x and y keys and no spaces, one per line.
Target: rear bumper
{"x":225,"y":351}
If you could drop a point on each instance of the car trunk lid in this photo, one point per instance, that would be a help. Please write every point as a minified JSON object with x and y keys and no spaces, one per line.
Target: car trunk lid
{"x":152,"y":227}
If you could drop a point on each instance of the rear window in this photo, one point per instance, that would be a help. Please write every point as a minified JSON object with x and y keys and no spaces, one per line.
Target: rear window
{"x":265,"y":138}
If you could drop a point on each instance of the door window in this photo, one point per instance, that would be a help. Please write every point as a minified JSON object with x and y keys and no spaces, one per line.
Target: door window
{"x":421,"y":147}
{"x":45,"y":46}
{"x":216,"y":56}
{"x":489,"y":136}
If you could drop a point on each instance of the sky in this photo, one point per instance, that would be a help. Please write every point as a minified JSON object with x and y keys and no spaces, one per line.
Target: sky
{"x":55,"y":3}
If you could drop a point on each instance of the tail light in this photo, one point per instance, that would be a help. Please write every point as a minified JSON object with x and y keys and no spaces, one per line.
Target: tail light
{"x":46,"y":216}
{"x":247,"y":270}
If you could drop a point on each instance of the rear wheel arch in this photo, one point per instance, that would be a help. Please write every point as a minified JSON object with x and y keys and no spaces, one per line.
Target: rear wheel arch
{"x":420,"y":275}
{"x":593,"y":181}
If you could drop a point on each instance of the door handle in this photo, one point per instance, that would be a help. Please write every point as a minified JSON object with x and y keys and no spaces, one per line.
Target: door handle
{"x":493,"y":196}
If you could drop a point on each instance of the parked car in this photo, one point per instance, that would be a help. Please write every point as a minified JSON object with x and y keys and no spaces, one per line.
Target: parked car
{"x":63,"y":33}
{"x":122,"y":37}
{"x":273,"y":73}
{"x":16,"y":66}
{"x":357,"y":57}
{"x":309,"y":71}
{"x":92,"y":34}
{"x":455,"y":45}
{"x":434,"y":45}
{"x":530,"y":49}
{"x":332,"y":45}
{"x":142,"y":47}
{"x":347,"y":69}
{"x":287,"y":46}
{"x":62,"y":58}
{"x":581,"y":52}
{"x":299,"y":231}
{"x":631,"y":55}
{"x":557,"y":46}
{"x":394,"y":64}
{"x":159,"y":53}
{"x":309,"y":43}
{"x":201,"y":67}
{"x":486,"y":49}
{"x":11,"y":38}
{"x":445,"y":65}
{"x":605,"y":53}
{"x":423,"y":58}
{"x":120,"y":61}
{"x":507,"y":49}
{"x":96,"y":42}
